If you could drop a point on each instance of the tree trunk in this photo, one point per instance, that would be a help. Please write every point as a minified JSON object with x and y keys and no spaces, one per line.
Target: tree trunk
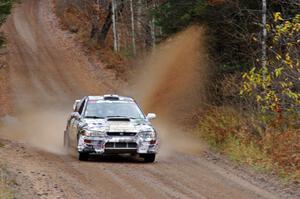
{"x":115,"y":38}
{"x":132,"y":28}
{"x":106,"y":26}
{"x":139,"y":25}
{"x":95,"y":21}
{"x":95,"y":25}
{"x":153,"y":28}
{"x":111,"y":15}
{"x":264,"y":33}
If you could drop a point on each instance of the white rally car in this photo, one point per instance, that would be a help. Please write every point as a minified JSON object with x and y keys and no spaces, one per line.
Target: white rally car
{"x":110,"y":124}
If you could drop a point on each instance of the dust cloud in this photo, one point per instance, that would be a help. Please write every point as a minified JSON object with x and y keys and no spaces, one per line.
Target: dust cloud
{"x":171,"y":83}
{"x":40,"y":127}
{"x":39,"y":117}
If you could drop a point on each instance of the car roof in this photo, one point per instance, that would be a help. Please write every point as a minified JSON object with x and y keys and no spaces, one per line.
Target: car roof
{"x":110,"y":97}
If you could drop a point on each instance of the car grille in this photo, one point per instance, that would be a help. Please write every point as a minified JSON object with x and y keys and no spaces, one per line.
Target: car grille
{"x":120,"y":145}
{"x":121,"y":133}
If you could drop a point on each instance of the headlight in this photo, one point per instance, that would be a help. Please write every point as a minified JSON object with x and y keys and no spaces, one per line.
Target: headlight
{"x":148,"y":134}
{"x":87,"y":132}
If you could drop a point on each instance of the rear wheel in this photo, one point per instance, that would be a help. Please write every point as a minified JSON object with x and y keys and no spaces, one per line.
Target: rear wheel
{"x":83,"y":156}
{"x":149,"y":158}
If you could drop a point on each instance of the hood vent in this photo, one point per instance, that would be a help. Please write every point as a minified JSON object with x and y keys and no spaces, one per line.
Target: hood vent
{"x":119,"y":119}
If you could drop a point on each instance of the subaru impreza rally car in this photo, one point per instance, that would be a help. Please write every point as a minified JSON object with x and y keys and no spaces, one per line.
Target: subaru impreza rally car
{"x":110,"y":124}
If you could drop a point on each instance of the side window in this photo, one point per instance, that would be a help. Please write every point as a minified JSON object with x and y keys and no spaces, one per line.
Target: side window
{"x":81,"y":107}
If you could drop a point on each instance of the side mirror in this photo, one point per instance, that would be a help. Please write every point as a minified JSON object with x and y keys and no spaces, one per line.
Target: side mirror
{"x":75,"y":105}
{"x":75,"y":115}
{"x":151,"y":116}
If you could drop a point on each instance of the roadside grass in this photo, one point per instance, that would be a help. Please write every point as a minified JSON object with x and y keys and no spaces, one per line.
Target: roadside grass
{"x":243,"y":138}
{"x":249,"y":154}
{"x":5,"y":193}
{"x":5,"y":182}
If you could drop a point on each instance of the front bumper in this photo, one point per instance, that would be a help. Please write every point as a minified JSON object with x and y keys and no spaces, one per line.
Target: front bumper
{"x":116,"y":145}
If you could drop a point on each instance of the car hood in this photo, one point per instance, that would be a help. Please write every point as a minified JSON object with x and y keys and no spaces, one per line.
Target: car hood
{"x":107,"y":125}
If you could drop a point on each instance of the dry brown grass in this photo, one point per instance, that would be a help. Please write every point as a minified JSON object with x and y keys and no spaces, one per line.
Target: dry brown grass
{"x":77,"y":21}
{"x":242,"y":137}
{"x":284,"y":149}
{"x":5,"y":182}
{"x":5,"y":102}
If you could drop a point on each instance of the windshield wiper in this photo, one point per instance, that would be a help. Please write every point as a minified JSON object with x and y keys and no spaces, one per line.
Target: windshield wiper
{"x":134,"y":118}
{"x":94,"y":117}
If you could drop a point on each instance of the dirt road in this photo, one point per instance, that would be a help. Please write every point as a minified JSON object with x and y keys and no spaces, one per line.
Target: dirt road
{"x":48,"y":72}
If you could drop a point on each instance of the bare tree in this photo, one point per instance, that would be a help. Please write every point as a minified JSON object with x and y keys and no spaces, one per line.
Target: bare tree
{"x":132,"y":28}
{"x":94,"y":22}
{"x":113,"y":7}
{"x":130,"y":21}
{"x":113,"y":10}
{"x":153,"y":28}
{"x":264,"y":33}
{"x":106,"y":26}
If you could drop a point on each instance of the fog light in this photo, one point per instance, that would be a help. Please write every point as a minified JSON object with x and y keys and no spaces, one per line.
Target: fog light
{"x":87,"y":141}
{"x":152,"y":141}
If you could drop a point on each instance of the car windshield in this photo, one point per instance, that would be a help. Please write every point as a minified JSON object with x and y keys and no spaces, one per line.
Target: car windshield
{"x":96,"y":109}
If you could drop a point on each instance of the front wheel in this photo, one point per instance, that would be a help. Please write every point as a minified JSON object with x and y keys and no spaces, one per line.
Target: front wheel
{"x":149,"y":158}
{"x":83,"y":156}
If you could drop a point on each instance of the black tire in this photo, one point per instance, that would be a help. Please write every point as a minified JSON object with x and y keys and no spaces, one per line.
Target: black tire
{"x":83,"y":156}
{"x":149,"y":158}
